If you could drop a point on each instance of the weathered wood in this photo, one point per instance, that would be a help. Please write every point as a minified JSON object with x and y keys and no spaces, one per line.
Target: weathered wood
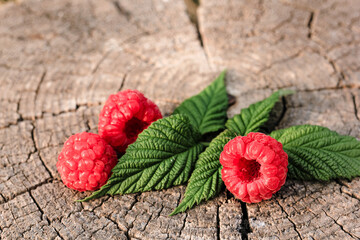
{"x":307,"y":210}
{"x":59,"y":60}
{"x":312,"y":47}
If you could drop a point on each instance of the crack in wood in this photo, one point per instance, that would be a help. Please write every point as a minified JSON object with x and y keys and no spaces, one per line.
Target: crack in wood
{"x":280,"y":62}
{"x":355,"y":107}
{"x":53,"y":114}
{"x":217,"y":222}
{"x":126,"y":231}
{"x":102,"y":201}
{"x":310,"y":24}
{"x":348,"y":193}
{"x":340,"y":74}
{"x":281,"y":24}
{"x":42,"y":217}
{"x":38,"y":86}
{"x":2,"y":196}
{"x":18,"y":112}
{"x":136,"y":200}
{"x":48,"y":180}
{"x":288,"y":217}
{"x":192,"y":10}
{"x":284,"y":109}
{"x":128,"y":15}
{"x":58,"y":233}
{"x":341,"y":226}
{"x":36,"y":150}
{"x":330,"y":88}
{"x":258,"y":17}
{"x":183,"y":225}
{"x":118,"y":227}
{"x":122,"y":11}
{"x":87,"y":124}
{"x":123,"y":82}
{"x":99,"y":63}
{"x":244,"y":227}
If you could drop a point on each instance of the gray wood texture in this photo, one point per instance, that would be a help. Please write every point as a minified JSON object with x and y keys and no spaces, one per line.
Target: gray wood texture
{"x":59,"y":60}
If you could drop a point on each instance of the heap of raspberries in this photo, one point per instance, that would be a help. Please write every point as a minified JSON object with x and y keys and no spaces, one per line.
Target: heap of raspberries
{"x":86,"y":160}
{"x":254,"y":167}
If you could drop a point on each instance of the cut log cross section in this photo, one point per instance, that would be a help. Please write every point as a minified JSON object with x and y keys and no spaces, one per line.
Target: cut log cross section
{"x":60,"y":60}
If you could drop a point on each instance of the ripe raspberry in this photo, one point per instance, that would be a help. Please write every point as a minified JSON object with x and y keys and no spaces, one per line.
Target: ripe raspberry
{"x":85,"y":162}
{"x":254,"y":167}
{"x":124,"y":116}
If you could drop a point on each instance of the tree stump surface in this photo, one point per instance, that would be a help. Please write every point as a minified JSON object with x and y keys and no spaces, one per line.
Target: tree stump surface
{"x":59,"y":61}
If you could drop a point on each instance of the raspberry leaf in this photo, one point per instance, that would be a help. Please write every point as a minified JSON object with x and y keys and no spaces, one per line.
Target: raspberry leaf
{"x":163,"y":156}
{"x":205,"y":182}
{"x":317,"y":153}
{"x":207,"y":110}
{"x":251,"y":119}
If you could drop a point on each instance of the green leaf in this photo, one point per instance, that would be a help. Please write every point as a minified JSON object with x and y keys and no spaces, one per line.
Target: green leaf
{"x":317,"y":153}
{"x":207,"y":110}
{"x":163,"y":156}
{"x":252,"y":118}
{"x":205,"y":182}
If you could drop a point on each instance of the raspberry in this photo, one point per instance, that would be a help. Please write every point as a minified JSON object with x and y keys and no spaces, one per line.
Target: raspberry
{"x":254,"y":167}
{"x":85,"y":162}
{"x":124,"y":116}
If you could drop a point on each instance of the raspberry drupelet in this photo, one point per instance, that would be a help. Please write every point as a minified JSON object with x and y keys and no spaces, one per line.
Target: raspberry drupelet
{"x":85,"y":162}
{"x":254,"y":167}
{"x":124,"y":116}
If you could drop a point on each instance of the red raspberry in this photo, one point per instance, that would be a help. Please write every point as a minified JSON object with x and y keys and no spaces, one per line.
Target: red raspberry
{"x":254,"y":167}
{"x":124,"y":116}
{"x":85,"y":162}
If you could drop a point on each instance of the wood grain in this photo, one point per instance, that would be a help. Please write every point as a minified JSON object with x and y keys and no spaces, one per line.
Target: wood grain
{"x":59,"y":60}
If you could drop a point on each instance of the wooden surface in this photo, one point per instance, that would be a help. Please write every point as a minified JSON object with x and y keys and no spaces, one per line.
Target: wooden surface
{"x":60,"y":59}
